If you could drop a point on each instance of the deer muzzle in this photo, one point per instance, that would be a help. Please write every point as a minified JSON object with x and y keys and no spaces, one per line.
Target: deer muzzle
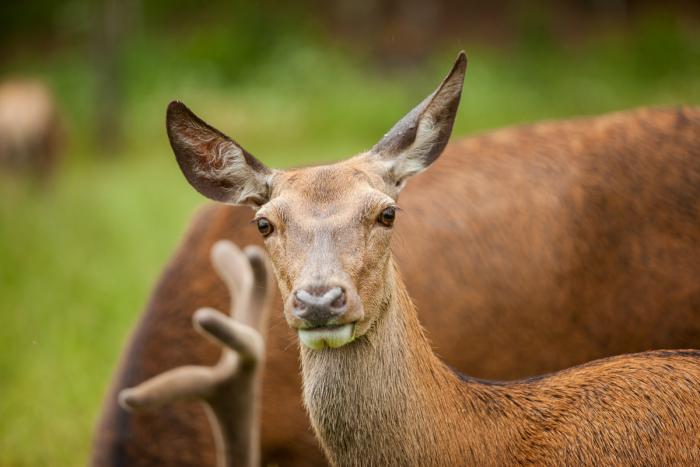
{"x":324,"y":316}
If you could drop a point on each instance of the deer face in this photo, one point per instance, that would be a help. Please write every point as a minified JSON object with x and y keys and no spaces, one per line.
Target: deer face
{"x":327,"y":228}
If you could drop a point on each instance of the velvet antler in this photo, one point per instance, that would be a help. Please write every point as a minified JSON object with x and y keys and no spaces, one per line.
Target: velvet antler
{"x":230,"y":389}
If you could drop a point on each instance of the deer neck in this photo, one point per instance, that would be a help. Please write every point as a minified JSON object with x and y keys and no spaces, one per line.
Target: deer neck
{"x":386,"y":399}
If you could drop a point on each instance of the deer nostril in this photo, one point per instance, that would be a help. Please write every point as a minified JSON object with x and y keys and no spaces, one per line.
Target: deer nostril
{"x":298,"y":304}
{"x":339,"y":302}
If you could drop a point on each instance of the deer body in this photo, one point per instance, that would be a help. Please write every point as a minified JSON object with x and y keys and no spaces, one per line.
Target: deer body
{"x":386,"y":399}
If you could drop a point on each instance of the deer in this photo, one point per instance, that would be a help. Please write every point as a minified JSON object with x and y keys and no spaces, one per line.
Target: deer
{"x":375,"y":391}
{"x":230,"y":390}
{"x":562,"y":241}
{"x":31,"y":131}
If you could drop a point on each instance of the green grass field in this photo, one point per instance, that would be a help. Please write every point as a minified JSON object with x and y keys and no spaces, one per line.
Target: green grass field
{"x":77,"y":260}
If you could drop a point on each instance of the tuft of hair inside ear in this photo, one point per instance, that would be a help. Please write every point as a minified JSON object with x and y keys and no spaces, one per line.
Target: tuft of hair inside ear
{"x":225,"y":163}
{"x":419,"y":138}
{"x":214,"y":164}
{"x":415,"y":158}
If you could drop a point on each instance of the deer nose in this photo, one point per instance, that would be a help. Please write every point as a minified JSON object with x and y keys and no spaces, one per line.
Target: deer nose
{"x":317,"y":306}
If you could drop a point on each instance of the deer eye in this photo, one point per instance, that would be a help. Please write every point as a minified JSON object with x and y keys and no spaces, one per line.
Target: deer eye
{"x":264,"y":226}
{"x":387,"y":216}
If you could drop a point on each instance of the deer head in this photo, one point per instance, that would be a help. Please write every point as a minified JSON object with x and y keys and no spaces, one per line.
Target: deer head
{"x":327,"y":228}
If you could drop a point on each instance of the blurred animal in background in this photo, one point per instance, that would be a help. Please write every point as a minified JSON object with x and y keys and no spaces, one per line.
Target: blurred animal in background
{"x":31,"y":131}
{"x":527,"y":250}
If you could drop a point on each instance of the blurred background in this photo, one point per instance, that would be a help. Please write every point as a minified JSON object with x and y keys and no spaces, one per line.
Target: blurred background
{"x":92,"y":202}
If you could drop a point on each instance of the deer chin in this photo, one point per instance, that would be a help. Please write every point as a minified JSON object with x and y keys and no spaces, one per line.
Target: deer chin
{"x":327,"y":336}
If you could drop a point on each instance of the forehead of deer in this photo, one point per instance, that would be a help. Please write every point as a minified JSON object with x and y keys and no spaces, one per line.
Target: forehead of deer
{"x":328,"y":184}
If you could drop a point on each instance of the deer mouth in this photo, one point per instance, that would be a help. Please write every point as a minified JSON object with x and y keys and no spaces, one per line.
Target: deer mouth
{"x":318,"y":338}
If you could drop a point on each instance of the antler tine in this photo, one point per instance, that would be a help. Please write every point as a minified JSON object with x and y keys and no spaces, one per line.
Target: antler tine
{"x":187,"y":382}
{"x":233,"y":267}
{"x":241,"y":338}
{"x":263,"y":288}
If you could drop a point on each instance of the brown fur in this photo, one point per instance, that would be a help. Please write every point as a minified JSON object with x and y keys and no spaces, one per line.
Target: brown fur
{"x":386,"y":399}
{"x":569,"y":240}
{"x":375,"y":391}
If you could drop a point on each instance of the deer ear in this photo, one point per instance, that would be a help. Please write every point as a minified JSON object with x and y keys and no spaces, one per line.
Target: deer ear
{"x":419,"y":138}
{"x":213,"y":163}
